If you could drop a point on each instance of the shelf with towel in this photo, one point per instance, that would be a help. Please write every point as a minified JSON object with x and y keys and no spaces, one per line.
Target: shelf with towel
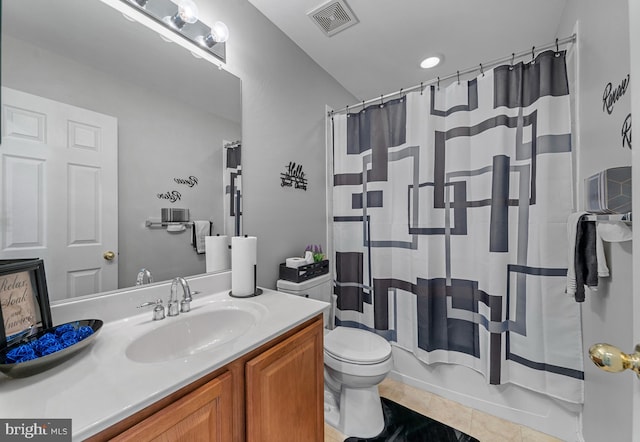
{"x":609,"y":217}
{"x":149,"y":223}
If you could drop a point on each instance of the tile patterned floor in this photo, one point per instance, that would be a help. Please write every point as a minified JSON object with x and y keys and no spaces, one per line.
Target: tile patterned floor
{"x":482,"y":426}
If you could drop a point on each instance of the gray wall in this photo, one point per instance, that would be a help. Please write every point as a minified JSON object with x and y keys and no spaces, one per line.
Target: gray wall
{"x":154,"y":147}
{"x":284,"y":93}
{"x":607,"y":315}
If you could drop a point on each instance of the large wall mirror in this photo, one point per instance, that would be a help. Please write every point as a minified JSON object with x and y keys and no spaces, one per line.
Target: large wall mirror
{"x":79,"y":78}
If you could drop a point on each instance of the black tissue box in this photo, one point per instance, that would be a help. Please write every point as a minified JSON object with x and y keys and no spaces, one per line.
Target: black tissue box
{"x":304,"y":272}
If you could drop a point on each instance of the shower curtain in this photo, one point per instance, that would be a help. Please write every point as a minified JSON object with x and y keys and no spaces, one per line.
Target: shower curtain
{"x":449,"y":225}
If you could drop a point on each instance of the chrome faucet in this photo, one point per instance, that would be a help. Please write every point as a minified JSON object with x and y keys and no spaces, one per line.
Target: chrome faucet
{"x":185,"y":304}
{"x":142,"y":275}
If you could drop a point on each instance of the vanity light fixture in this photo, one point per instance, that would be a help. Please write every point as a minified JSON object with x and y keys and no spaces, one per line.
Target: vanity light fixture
{"x":181,"y":17}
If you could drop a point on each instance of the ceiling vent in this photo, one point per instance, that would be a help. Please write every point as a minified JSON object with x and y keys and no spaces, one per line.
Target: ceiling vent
{"x":333,"y":17}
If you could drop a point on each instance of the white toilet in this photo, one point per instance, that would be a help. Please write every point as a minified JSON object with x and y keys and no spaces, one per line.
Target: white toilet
{"x":355,"y":362}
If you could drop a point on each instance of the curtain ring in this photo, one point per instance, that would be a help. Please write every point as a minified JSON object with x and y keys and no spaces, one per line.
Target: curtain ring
{"x":381,"y":101}
{"x":458,"y":74}
{"x":438,"y":83}
{"x":481,"y":70}
{"x":421,"y":89}
{"x":347,"y":111}
{"x":401,"y":97}
{"x":533,"y":55}
{"x":362,"y":105}
{"x":557,"y":48}
{"x":513,"y":56}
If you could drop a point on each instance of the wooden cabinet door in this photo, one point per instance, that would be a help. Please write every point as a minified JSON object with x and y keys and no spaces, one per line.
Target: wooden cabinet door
{"x":203,"y":415}
{"x":285,"y":395}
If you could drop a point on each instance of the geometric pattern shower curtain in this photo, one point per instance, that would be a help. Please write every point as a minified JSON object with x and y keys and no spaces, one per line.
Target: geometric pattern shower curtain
{"x":450,"y":210}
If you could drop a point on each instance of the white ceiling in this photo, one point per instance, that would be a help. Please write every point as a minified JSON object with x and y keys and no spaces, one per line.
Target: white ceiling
{"x":381,"y":53}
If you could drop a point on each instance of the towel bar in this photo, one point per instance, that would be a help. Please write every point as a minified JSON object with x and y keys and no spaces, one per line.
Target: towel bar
{"x":149,"y":223}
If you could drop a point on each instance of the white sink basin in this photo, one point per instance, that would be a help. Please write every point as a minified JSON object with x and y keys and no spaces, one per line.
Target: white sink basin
{"x":193,"y":332}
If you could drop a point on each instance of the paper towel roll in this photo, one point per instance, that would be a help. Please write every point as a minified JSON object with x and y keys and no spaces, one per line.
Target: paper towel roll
{"x":244,"y":252}
{"x":295,"y":262}
{"x":217,"y":252}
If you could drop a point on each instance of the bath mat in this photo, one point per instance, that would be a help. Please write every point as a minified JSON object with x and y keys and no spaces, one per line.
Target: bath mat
{"x":404,"y":425}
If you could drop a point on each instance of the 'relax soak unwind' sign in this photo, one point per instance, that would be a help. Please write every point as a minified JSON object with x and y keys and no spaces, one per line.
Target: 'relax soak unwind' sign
{"x":24,"y":298}
{"x":17,"y":302}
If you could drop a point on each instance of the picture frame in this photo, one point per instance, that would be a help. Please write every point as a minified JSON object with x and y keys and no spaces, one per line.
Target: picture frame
{"x":24,"y":299}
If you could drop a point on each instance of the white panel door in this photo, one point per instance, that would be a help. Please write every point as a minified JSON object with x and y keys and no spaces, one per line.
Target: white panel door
{"x":58,"y":192}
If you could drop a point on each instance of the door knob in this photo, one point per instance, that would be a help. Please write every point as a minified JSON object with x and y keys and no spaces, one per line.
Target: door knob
{"x":109,"y":255}
{"x":610,"y":358}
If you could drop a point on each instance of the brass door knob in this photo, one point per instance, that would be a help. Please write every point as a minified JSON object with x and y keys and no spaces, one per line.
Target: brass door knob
{"x":109,"y":255}
{"x":610,"y":358}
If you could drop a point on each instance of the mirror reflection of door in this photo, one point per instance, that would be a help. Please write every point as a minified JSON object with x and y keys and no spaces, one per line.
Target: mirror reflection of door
{"x":59,"y":192}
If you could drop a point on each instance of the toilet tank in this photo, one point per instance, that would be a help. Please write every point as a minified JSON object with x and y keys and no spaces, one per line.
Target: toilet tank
{"x":318,"y":288}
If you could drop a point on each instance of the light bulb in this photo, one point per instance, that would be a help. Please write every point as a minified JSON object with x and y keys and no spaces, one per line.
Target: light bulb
{"x":188,"y":11}
{"x":219,"y":34}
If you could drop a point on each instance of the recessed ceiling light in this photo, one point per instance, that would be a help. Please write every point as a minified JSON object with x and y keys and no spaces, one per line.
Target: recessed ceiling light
{"x":430,"y":62}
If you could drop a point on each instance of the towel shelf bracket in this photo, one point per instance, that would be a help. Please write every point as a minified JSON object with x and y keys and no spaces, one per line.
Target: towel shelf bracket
{"x":607,"y":217}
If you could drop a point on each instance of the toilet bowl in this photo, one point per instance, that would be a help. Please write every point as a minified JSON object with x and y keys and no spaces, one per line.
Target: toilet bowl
{"x":355,"y":362}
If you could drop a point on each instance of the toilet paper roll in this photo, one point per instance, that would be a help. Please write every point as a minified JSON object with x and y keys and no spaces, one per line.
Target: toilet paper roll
{"x":244,"y":253}
{"x":295,"y":262}
{"x":218,"y":256}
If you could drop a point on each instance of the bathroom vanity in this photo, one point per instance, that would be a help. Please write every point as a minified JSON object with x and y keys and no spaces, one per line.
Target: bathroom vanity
{"x":272,"y":393}
{"x":259,"y":378}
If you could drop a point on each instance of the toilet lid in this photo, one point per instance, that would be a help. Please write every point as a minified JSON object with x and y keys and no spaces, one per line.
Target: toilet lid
{"x":355,"y":345}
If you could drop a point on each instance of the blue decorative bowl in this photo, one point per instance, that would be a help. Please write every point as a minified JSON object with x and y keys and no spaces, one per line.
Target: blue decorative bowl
{"x":42,"y":349}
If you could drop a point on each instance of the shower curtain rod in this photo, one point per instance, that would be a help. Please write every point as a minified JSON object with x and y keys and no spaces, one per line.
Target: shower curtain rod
{"x":480,"y":67}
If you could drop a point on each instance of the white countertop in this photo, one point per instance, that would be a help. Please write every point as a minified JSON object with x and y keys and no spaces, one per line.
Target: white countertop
{"x":100,"y":385}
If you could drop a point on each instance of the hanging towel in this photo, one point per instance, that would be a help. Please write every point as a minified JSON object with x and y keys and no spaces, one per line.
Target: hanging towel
{"x":199,"y":230}
{"x":572,"y":226}
{"x":603,"y":268}
{"x":586,"y":256}
{"x":585,"y":260}
{"x":616,"y":231}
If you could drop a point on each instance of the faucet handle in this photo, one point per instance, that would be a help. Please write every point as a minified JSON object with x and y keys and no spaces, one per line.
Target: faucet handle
{"x":185,"y":304}
{"x":158,"y":310}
